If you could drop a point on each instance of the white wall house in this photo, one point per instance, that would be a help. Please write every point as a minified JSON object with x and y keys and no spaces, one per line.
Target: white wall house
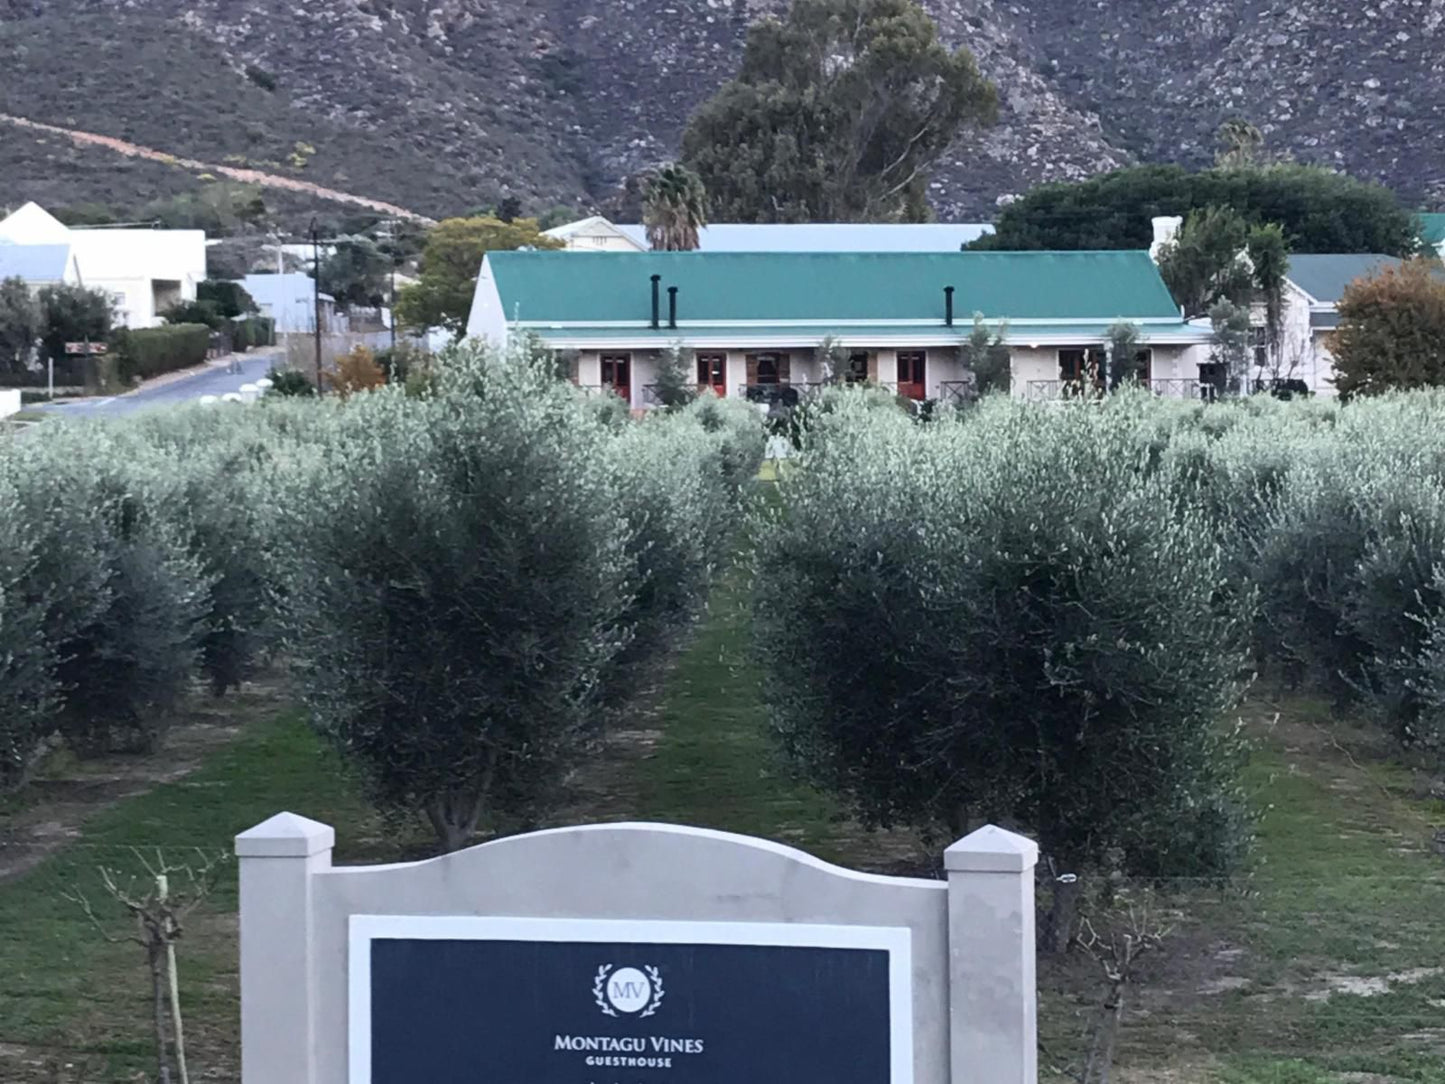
{"x":290,"y":300}
{"x":1314,"y":286}
{"x":597,"y":234}
{"x":145,"y":271}
{"x":754,"y":321}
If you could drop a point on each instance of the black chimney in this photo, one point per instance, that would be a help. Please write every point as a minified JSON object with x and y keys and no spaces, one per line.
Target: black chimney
{"x":672,"y":306}
{"x":655,"y":300}
{"x":948,"y":305}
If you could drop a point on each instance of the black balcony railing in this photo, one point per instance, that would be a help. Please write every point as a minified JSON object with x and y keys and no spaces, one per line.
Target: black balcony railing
{"x":1181,"y":388}
{"x":956,"y":392}
{"x":1047,"y":391}
{"x":787,"y":395}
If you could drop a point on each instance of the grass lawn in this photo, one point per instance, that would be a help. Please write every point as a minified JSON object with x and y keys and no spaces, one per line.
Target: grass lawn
{"x":1326,"y":966}
{"x":74,"y":1008}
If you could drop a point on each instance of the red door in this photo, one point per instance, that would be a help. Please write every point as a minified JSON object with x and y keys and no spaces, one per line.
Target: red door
{"x":912,"y":382}
{"x":712,"y":373}
{"x":617,"y":375}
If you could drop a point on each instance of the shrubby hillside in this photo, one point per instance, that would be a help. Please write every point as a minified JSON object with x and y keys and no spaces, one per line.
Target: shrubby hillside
{"x":445,"y":105}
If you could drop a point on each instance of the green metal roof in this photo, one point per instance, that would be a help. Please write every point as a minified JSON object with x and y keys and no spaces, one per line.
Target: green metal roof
{"x":1324,"y":278}
{"x":1432,"y":230}
{"x":592,"y":288}
{"x":1019,"y":333}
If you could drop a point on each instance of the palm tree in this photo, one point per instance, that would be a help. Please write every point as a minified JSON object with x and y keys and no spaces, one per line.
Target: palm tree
{"x":674,"y":208}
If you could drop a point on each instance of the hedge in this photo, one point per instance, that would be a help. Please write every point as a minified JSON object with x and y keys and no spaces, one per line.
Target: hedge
{"x":253,"y":331}
{"x":148,"y":352}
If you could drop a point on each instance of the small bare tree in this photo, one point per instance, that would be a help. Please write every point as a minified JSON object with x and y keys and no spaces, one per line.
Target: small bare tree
{"x":1133,"y":928}
{"x":158,"y":902}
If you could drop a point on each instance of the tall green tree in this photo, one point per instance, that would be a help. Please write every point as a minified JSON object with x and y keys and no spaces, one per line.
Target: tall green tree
{"x":1318,"y":209}
{"x":1219,"y":257}
{"x":986,"y":355}
{"x":1206,"y":261}
{"x":674,"y":209}
{"x":21,"y":324}
{"x":75,"y":314}
{"x":356,"y":272}
{"x":839,"y":113}
{"x":442,"y":297}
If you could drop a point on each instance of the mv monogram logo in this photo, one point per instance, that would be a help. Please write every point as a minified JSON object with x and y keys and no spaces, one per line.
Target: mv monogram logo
{"x":628,"y":990}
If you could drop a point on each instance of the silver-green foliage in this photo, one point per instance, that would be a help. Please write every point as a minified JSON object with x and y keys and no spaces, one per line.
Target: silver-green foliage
{"x":477,"y":581}
{"x":123,"y":598}
{"x":1006,"y":618}
{"x":28,"y":690}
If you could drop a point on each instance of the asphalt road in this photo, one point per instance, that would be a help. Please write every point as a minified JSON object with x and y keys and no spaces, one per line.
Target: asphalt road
{"x":213,"y":380}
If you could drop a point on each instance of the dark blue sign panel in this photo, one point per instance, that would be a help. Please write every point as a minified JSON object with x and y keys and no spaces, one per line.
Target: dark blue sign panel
{"x":508,"y":1010}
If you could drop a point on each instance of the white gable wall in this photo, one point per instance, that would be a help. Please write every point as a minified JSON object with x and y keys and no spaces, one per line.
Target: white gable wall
{"x":487,"y":320}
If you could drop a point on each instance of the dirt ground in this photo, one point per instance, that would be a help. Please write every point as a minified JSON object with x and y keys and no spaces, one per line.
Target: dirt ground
{"x":53,"y":808}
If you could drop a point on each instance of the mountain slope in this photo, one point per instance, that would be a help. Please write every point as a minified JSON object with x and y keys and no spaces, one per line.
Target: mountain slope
{"x":444,"y":105}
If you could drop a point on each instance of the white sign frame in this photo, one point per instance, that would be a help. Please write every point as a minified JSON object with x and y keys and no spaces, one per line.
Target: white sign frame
{"x":896,"y":941}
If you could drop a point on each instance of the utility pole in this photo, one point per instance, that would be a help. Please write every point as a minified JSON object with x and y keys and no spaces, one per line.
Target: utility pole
{"x":393,"y":294}
{"x":316,"y":282}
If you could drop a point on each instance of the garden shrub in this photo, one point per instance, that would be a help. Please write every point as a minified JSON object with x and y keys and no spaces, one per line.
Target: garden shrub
{"x":148,"y":352}
{"x":253,"y":331}
{"x":1006,"y":619}
{"x":290,"y":382}
{"x":355,"y":371}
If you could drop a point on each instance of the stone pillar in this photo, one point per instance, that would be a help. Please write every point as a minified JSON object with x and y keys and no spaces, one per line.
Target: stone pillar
{"x":277,"y":859}
{"x":993,"y":998}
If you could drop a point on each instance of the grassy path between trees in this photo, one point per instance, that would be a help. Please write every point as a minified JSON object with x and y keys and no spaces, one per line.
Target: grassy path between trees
{"x":1327,"y":966}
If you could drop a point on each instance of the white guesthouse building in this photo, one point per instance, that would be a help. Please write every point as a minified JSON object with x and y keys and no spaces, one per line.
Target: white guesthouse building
{"x":144,"y":270}
{"x":754,"y":321}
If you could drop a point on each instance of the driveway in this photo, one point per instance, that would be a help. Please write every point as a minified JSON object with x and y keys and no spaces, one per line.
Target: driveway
{"x":170,"y":391}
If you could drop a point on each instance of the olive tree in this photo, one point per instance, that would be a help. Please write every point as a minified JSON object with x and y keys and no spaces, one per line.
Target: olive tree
{"x":1006,"y":619}
{"x":224,"y":518}
{"x":457,"y":580}
{"x":28,"y":690}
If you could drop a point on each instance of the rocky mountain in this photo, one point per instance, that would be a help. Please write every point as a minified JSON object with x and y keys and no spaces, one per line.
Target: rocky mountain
{"x":444,"y":105}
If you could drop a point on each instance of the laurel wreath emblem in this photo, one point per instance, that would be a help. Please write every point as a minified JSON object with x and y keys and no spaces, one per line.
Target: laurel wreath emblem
{"x":599,"y":990}
{"x":656,"y":978}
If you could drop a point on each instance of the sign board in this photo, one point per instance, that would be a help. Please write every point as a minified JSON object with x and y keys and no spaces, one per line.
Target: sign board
{"x":87,"y":348}
{"x":463,"y":1000}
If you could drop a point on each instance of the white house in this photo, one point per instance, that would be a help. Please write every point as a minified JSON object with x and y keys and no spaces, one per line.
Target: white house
{"x":754,"y":321}
{"x":1314,"y":286}
{"x":597,"y":234}
{"x":290,"y":300}
{"x":145,"y":271}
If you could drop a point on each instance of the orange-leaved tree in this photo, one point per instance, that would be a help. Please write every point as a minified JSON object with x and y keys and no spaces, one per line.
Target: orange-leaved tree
{"x":1392,"y":331}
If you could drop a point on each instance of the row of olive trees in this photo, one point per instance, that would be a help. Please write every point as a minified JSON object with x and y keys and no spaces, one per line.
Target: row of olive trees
{"x":469,"y":583}
{"x":132,"y":562}
{"x":1043,"y":618}
{"x":1336,"y":516}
